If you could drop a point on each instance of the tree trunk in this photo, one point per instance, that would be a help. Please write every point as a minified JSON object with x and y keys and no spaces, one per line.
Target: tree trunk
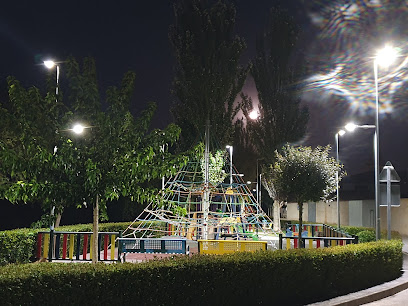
{"x":58,"y":219}
{"x":94,"y":246}
{"x":300,"y":224}
{"x":276,"y":216}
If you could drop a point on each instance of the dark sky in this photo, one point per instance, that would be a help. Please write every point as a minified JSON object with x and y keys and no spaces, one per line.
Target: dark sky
{"x":121,"y":36}
{"x":133,"y":35}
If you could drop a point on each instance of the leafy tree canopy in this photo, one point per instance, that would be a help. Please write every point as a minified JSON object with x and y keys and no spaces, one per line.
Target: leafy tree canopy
{"x":277,"y":76}
{"x":208,"y":74}
{"x":42,"y":160}
{"x":302,"y":174}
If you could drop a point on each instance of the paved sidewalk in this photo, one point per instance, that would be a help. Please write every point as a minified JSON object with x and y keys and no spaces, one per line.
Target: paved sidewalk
{"x":377,"y":292}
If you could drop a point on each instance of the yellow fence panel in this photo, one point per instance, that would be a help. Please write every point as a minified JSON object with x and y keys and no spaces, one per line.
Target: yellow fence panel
{"x":229,"y":246}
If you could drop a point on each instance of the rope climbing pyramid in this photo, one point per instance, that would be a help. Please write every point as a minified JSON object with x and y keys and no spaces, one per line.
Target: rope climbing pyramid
{"x":206,"y":199}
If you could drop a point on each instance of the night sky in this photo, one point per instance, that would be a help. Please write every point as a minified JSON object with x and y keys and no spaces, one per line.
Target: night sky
{"x":133,"y":35}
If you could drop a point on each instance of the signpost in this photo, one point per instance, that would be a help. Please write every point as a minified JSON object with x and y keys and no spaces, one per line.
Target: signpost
{"x":388,"y":175}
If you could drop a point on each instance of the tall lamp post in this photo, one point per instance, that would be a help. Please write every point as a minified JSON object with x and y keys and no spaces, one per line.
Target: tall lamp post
{"x":230,"y":148}
{"x":77,"y":129}
{"x":258,"y":181}
{"x":339,"y":133}
{"x":351,"y":127}
{"x":384,"y":58}
{"x":51,"y":64}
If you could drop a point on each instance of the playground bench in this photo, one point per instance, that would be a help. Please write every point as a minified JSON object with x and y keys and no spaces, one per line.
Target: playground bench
{"x":152,"y":245}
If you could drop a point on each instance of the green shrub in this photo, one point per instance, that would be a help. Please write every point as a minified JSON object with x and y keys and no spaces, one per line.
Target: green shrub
{"x":17,"y":246}
{"x":284,"y":277}
{"x":366,"y":236}
{"x":354,"y":230}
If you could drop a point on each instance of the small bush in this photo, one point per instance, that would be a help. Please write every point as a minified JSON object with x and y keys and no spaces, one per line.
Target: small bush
{"x":284,"y":277}
{"x":366,"y":236}
{"x":354,"y":230}
{"x":17,"y":246}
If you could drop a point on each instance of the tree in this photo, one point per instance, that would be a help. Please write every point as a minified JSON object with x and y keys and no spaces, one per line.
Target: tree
{"x":208,"y":75}
{"x":116,"y":154}
{"x":277,"y":77}
{"x":302,"y":174}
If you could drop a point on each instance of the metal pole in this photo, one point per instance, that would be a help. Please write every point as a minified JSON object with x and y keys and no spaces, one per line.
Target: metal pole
{"x":53,"y":207}
{"x":260,"y":191}
{"x":377,"y":153}
{"x":206,"y":181}
{"x":56,"y":88}
{"x":388,"y":203}
{"x":163,"y":183}
{"x":337,"y":181}
{"x":257,"y":182}
{"x":230,"y":149}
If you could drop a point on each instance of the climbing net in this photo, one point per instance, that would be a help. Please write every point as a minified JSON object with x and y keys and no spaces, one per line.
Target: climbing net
{"x":232,"y":210}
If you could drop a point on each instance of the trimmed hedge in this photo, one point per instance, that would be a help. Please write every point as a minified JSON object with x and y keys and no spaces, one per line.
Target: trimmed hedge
{"x":261,"y":277}
{"x":365,"y":233}
{"x":19,"y":245}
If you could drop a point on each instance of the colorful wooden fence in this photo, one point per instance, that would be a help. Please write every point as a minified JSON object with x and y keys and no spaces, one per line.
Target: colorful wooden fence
{"x":151,"y":245}
{"x":75,"y":246}
{"x":229,"y":246}
{"x":314,"y":242}
{"x":315,"y":230}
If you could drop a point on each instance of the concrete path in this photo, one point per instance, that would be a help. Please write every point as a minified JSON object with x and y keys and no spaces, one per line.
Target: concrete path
{"x":391,"y":293}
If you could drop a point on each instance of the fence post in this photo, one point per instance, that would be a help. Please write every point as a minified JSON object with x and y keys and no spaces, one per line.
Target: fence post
{"x":39,"y":243}
{"x":119,"y":246}
{"x":51,"y":245}
{"x":57,"y":245}
{"x":99,"y":247}
{"x":78,"y":243}
{"x":280,"y":241}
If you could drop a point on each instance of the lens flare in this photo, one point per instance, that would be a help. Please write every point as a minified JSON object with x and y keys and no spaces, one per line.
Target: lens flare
{"x":342,"y":57}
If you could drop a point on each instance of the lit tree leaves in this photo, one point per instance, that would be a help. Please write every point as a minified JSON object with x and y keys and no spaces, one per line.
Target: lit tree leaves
{"x":116,"y":155}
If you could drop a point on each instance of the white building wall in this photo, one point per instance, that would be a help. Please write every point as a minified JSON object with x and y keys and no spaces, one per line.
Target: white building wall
{"x":399,"y":218}
{"x":325,"y":212}
{"x":355,"y":213}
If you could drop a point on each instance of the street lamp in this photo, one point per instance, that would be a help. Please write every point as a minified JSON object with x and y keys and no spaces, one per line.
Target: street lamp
{"x":384,"y":58}
{"x":78,"y":128}
{"x":51,"y":64}
{"x":351,"y":127}
{"x":339,"y":133}
{"x":258,"y":182}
